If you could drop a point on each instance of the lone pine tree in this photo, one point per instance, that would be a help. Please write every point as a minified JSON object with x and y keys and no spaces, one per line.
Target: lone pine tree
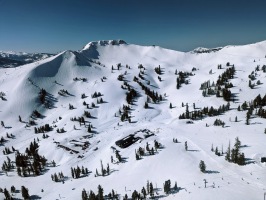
{"x":202,"y":166}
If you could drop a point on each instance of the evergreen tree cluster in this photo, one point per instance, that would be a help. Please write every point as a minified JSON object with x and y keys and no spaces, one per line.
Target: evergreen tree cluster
{"x":140,"y":152}
{"x":104,"y":171}
{"x":2,"y":140}
{"x":7,"y":150}
{"x":225,"y":76}
{"x":131,"y":95}
{"x":257,"y":103}
{"x":2,"y":96}
{"x":92,"y":195}
{"x":63,"y":92}
{"x":58,"y":177}
{"x":219,"y":122}
{"x":100,"y":100}
{"x":80,"y":79}
{"x":7,"y":165}
{"x":221,"y":88}
{"x":42,"y":95}
{"x":24,"y":193}
{"x":125,"y":113}
{"x":262,"y":113}
{"x":43,"y":129}
{"x":60,"y":130}
{"x":120,"y":77}
{"x":175,"y":140}
{"x":35,"y":114}
{"x":181,"y":79}
{"x":156,"y":98}
{"x":81,"y":119}
{"x":96,"y":95}
{"x":167,"y":187}
{"x":234,"y":155}
{"x":216,"y":151}
{"x":206,"y":111}
{"x":30,"y":162}
{"x":144,"y":193}
{"x":87,"y":114}
{"x":79,"y":172}
{"x":100,"y":196}
{"x":158,"y":70}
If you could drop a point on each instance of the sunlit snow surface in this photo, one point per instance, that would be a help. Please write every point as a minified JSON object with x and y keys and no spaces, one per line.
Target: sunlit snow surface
{"x":225,"y":180}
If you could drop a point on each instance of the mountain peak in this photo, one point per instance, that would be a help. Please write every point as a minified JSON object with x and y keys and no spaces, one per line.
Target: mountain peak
{"x":104,"y":43}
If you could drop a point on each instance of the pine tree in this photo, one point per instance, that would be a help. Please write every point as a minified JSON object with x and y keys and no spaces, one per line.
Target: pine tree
{"x":143,"y":191}
{"x":13,"y":189}
{"x":25,"y":192}
{"x":92,"y":196}
{"x":72,"y":173}
{"x":108,"y":169}
{"x":175,"y":187}
{"x":7,"y":195}
{"x":146,"y":105}
{"x":84,"y":195}
{"x":102,"y":170}
{"x":247,"y":118}
{"x":216,"y":151}
{"x":89,"y":129}
{"x":100,"y":193}
{"x":228,"y":154}
{"x":167,"y":186}
{"x":148,"y":187}
{"x":241,"y":160}
{"x":151,"y":190}
{"x":202,"y":166}
{"x":135,"y":195}
{"x":186,"y":147}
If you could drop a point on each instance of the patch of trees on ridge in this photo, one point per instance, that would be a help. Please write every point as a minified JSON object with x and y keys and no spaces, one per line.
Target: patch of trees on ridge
{"x":206,"y":111}
{"x":221,"y":88}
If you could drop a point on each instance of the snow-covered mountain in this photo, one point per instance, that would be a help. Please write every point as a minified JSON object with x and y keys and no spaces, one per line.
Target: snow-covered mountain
{"x":96,"y":107}
{"x":15,"y":59}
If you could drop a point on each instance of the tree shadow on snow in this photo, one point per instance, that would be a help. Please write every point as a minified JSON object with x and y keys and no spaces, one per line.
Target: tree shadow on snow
{"x":211,"y":172}
{"x":193,"y":150}
{"x":249,"y":161}
{"x":35,"y":197}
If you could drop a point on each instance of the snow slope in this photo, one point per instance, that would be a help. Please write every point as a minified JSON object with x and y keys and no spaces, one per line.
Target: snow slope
{"x":94,"y":62}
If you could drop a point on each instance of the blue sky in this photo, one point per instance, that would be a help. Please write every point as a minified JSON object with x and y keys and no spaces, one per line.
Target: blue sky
{"x":56,"y":25}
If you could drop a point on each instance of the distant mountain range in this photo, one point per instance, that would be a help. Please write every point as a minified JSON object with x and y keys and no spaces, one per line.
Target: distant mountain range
{"x":14,"y":59}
